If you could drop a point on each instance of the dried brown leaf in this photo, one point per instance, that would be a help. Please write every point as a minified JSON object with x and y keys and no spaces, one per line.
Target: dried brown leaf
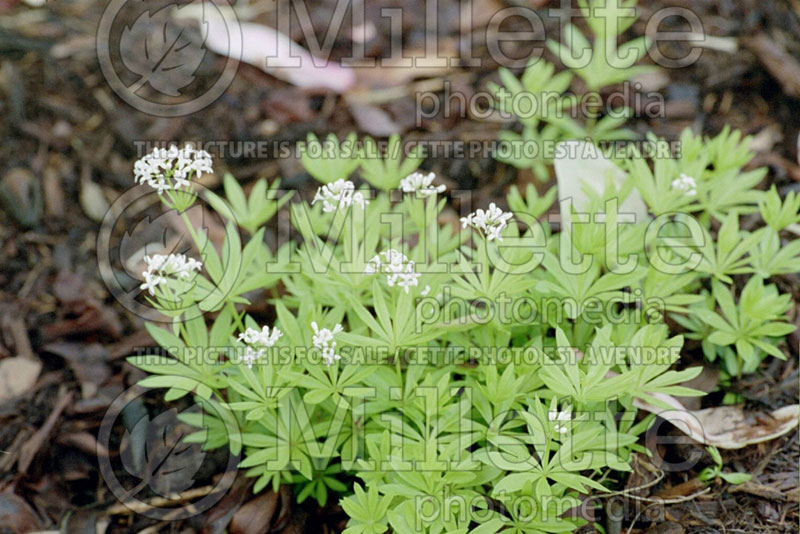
{"x":255,"y":516}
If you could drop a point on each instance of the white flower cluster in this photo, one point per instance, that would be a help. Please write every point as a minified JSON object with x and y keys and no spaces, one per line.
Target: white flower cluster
{"x":258,"y":342}
{"x":263,"y":337}
{"x":161,"y":267}
{"x":339,"y":194}
{"x":171,"y":168}
{"x":555,"y":415}
{"x":422,"y":183}
{"x":685,"y":183}
{"x":491,"y":222}
{"x":323,"y":340}
{"x":397,"y":267}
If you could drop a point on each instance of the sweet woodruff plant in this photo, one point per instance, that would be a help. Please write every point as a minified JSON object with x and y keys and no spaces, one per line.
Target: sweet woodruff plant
{"x":514,"y":395}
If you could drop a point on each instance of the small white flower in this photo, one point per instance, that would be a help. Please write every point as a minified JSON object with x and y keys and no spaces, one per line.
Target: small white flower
{"x":151,"y":281}
{"x":491,"y":222}
{"x":258,"y":341}
{"x":324,"y":341}
{"x":422,"y":183}
{"x":397,"y":267}
{"x":685,"y":183}
{"x":339,"y":194}
{"x":263,"y":337}
{"x":161,"y":267}
{"x":555,"y":415}
{"x":425,"y":291}
{"x":171,"y":168}
{"x":251,"y":355}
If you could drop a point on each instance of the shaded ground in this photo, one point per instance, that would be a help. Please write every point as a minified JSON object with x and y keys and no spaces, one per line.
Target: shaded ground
{"x":67,"y":153}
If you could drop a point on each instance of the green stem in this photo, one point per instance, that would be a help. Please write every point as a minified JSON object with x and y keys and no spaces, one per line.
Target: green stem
{"x":236,"y":317}
{"x":591,"y":122}
{"x":484,"y":251}
{"x":191,"y":229}
{"x":575,"y":332}
{"x":398,"y":369}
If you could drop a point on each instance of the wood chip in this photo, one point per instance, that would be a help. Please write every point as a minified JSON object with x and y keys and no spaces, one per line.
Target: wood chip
{"x":40,"y":436}
{"x":759,"y":490}
{"x":93,"y":201}
{"x":19,"y":333}
{"x":53,"y":193}
{"x":777,"y":61}
{"x":17,"y":376}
